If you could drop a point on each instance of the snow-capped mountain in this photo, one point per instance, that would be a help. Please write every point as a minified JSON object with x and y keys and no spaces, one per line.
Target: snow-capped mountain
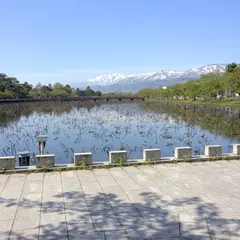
{"x":197,"y":72}
{"x":107,"y":79}
{"x":135,"y":82}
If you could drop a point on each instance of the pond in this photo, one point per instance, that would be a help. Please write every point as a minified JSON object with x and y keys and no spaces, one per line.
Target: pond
{"x":98,"y":128}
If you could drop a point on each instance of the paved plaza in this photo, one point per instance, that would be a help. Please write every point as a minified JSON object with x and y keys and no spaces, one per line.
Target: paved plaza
{"x":165,"y":201}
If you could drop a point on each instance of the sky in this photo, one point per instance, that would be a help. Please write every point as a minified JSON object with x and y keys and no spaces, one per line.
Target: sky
{"x":70,"y":41}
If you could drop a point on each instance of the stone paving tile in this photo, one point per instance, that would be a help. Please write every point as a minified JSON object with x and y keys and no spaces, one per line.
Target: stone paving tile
{"x":137,"y":196}
{"x":91,"y":187}
{"x":70,"y":181}
{"x":28,"y":212}
{"x":133,"y":170}
{"x":5,"y":228}
{"x":86,"y":176}
{"x":101,"y":172}
{"x":118,"y":173}
{"x":145,"y":202}
{"x":193,"y":218}
{"x":163,"y":232}
{"x":224,"y":228}
{"x":90,"y":236}
{"x":150,"y":171}
{"x":53,"y":226}
{"x":140,"y":177}
{"x":71,"y":185}
{"x":106,"y":181}
{"x":128,"y":184}
{"x":116,"y":235}
{"x":25,"y":223}
{"x":11,"y":193}
{"x":32,"y":177}
{"x":30,"y":234}
{"x":131,"y":222}
{"x":7,"y":213}
{"x":75,"y":228}
{"x":33,"y":187}
{"x":161,"y":167}
{"x":195,"y":231}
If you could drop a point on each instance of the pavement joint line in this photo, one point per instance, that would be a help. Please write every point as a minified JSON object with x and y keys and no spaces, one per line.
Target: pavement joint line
{"x":5,"y":184}
{"x":128,"y":197}
{"x":167,"y":177}
{"x":43,"y":179}
{"x":64,"y":204}
{"x":150,"y":198}
{"x":85,"y":199}
{"x":110,"y":205}
{"x":17,"y":206}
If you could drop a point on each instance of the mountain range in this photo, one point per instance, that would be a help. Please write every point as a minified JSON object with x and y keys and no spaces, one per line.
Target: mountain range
{"x":132,"y":83}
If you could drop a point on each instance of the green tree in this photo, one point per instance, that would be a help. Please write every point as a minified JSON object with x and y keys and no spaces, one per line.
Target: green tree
{"x":234,"y":79}
{"x":68,"y":89}
{"x":58,"y":85}
{"x":89,"y":91}
{"x":59,"y":93}
{"x":98,"y":93}
{"x":230,"y":67}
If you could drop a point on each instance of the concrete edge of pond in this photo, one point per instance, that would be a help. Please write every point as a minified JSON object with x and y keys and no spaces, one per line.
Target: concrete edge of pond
{"x":128,"y":163}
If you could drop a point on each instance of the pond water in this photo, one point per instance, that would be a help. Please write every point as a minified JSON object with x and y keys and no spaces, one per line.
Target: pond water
{"x":87,"y":127}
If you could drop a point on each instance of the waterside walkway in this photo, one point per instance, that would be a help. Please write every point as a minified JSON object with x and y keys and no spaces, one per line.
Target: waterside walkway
{"x":165,"y":201}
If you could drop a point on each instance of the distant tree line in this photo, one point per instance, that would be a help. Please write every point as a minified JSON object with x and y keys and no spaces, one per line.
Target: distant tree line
{"x":208,"y":87}
{"x":11,"y":88}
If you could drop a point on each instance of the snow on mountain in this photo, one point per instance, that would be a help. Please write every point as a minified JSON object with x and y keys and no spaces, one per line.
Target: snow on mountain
{"x":155,"y":75}
{"x":106,"y":79}
{"x":116,"y":78}
{"x":197,"y":72}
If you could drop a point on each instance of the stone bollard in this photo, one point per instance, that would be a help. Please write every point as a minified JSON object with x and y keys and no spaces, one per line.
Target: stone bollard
{"x":236,"y":149}
{"x":7,"y":162}
{"x":82,"y":157}
{"x":213,"y":150}
{"x":151,"y":154}
{"x":182,"y":152}
{"x":116,"y":156}
{"x":46,"y":160}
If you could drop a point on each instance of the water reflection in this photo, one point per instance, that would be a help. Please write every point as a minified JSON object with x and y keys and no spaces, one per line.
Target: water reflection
{"x":82,"y":127}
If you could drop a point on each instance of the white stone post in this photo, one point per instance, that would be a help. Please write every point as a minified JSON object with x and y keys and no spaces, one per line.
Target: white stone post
{"x":83,"y":157}
{"x":151,"y":154}
{"x":182,"y":152}
{"x":41,"y":139}
{"x":46,"y":160}
{"x":236,"y":149}
{"x":213,"y":150}
{"x":116,"y":156}
{"x":7,"y":162}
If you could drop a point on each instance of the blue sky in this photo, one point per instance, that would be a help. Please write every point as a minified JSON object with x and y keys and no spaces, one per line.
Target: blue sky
{"x":72,"y":40}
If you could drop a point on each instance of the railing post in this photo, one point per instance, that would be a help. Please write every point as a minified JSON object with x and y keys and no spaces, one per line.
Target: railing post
{"x":151,"y":154}
{"x":182,"y":152}
{"x":79,"y":158}
{"x":213,"y":150}
{"x":45,"y":161}
{"x":117,"y":156}
{"x":236,"y":149}
{"x":7,"y":162}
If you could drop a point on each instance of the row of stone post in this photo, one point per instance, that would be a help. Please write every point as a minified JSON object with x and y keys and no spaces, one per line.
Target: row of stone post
{"x":154,"y":154}
{"x":47,"y":160}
